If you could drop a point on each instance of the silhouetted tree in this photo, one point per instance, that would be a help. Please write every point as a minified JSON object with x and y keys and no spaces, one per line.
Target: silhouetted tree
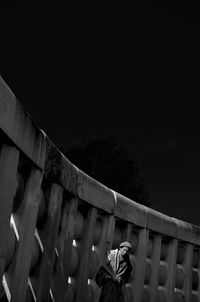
{"x":108,"y":161}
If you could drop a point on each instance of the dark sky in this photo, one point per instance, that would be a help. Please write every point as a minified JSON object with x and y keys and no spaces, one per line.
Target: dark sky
{"x":128,"y":71}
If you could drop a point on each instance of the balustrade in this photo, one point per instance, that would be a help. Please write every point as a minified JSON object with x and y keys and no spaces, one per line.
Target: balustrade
{"x":56,"y":224}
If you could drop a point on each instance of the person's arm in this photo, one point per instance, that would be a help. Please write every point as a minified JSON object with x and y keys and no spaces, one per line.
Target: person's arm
{"x":128,"y":273}
{"x":101,"y":275}
{"x":103,"y":271}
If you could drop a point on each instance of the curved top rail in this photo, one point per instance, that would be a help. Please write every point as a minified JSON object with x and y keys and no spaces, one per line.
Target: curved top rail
{"x":102,"y":197}
{"x":17,"y":124}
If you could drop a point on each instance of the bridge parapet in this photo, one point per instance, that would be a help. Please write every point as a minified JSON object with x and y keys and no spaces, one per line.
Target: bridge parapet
{"x":56,"y":224}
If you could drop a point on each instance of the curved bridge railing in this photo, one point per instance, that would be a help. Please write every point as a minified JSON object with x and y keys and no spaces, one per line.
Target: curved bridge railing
{"x":56,"y":223}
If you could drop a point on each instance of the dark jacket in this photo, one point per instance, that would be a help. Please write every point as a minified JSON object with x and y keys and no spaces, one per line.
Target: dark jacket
{"x":112,"y":275}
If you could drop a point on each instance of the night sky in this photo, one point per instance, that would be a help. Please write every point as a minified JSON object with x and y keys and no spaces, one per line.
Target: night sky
{"x":128,"y":71}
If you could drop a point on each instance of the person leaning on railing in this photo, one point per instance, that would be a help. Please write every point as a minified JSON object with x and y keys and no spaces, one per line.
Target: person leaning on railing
{"x":114,"y":273}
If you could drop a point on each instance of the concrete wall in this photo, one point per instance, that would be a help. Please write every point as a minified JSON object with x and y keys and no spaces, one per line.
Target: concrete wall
{"x":56,"y":223}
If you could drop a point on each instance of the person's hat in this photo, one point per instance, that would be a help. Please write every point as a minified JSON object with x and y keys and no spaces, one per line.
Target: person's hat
{"x":125,"y":244}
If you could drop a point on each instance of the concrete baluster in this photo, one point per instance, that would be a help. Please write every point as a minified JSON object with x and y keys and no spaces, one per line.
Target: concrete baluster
{"x":66,"y":251}
{"x":8,"y":173}
{"x":67,"y":236}
{"x":155,"y":265}
{"x":26,"y":236}
{"x":171,"y":270}
{"x":187,"y":287}
{"x":53,"y":219}
{"x":85,"y":250}
{"x":126,"y":236}
{"x":198,"y":273}
{"x":140,"y":263}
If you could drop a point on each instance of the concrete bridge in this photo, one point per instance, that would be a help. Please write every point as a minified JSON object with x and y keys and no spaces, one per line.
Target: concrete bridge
{"x":56,"y":224}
